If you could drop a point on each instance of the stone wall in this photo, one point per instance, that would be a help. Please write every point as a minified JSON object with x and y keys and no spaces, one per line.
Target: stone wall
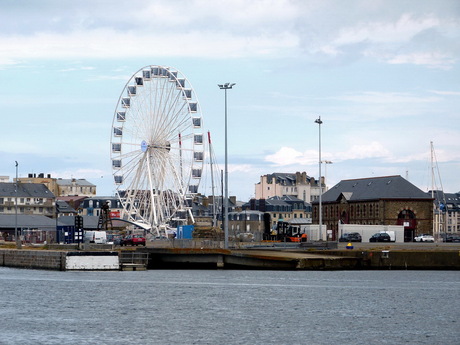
{"x":41,"y":259}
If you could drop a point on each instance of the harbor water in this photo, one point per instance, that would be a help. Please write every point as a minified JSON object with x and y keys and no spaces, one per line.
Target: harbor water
{"x":229,"y":307}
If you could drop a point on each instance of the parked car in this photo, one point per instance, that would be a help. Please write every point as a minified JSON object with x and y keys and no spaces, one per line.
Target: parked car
{"x":424,"y":238}
{"x":133,"y":240}
{"x":115,"y":239}
{"x":452,"y":238}
{"x":350,"y":237}
{"x":380,"y":237}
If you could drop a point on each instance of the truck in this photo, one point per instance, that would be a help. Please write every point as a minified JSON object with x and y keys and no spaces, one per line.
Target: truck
{"x":96,"y":237}
{"x":288,"y":233}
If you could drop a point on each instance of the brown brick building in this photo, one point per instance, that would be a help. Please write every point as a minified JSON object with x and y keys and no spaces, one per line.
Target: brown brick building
{"x":387,"y":200}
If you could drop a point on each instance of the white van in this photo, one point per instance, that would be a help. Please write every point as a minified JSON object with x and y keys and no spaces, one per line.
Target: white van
{"x":96,"y":237}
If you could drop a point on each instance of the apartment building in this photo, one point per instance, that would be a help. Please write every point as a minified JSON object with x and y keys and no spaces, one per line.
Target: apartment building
{"x":298,"y":185}
{"x":29,"y":198}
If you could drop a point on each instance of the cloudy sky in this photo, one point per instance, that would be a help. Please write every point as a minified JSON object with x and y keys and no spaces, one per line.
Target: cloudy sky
{"x":382,"y":74}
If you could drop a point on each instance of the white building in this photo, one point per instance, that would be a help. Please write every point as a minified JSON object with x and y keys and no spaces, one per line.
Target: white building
{"x":71,"y":187}
{"x":299,"y":185}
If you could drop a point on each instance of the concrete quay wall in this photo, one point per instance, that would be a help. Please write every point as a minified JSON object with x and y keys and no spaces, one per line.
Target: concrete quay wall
{"x":304,"y":260}
{"x":39,"y":259}
{"x":403,"y":259}
{"x":60,"y":260}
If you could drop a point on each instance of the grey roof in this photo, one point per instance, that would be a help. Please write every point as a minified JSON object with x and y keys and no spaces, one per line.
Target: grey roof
{"x":69,"y":181}
{"x":299,"y":221}
{"x":450,"y":199}
{"x":64,"y":207}
{"x":374,"y":188}
{"x":8,"y":221}
{"x":285,"y":179}
{"x":25,"y":190}
{"x":291,"y":198}
{"x":275,"y":200}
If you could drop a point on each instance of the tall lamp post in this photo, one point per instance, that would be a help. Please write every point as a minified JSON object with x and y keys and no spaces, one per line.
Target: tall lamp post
{"x":226,"y":87}
{"x":319,"y":122}
{"x":16,"y":237}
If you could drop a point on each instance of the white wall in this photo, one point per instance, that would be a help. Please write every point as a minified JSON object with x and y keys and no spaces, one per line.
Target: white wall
{"x":366,"y":231}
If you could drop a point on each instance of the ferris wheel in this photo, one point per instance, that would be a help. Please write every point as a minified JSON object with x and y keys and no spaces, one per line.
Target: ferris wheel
{"x":157,"y":148}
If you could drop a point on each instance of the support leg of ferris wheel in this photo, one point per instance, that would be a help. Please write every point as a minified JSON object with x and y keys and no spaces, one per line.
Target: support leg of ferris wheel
{"x":183,"y":192}
{"x":152,"y":196}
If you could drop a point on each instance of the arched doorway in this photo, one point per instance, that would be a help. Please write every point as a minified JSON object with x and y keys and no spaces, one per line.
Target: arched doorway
{"x":408,"y":220}
{"x":343,"y":219}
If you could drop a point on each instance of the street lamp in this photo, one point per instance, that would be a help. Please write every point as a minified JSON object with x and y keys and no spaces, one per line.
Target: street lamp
{"x":226,"y":87}
{"x":319,"y":122}
{"x":16,"y":237}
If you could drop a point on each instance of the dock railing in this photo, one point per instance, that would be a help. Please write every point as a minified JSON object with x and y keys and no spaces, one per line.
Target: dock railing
{"x":133,"y":258}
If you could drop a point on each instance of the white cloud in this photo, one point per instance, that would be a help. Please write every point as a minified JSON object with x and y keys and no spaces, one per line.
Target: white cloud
{"x":446,"y":93}
{"x":429,"y":59}
{"x":405,"y":28}
{"x":227,"y":29}
{"x":286,"y":156}
{"x":364,"y":150}
{"x":370,"y":97}
{"x":105,"y":43}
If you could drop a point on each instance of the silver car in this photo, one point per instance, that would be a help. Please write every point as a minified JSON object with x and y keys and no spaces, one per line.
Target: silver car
{"x":424,"y":238}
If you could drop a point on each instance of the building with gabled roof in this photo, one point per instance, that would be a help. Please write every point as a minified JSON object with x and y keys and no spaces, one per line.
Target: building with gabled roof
{"x":281,"y":208}
{"x":296,"y":184}
{"x":447,"y":211}
{"x":386,"y":200}
{"x":80,"y":187}
{"x":32,"y":199}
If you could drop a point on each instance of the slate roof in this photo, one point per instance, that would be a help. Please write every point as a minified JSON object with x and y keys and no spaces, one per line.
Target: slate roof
{"x":276,"y":200}
{"x":25,"y":190}
{"x":8,"y":221}
{"x":64,"y":207}
{"x":374,"y":188}
{"x":450,"y":199}
{"x":78,"y":182}
{"x":285,"y":179}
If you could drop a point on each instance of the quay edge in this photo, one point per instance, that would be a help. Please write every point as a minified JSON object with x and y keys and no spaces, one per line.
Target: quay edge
{"x":274,"y":259}
{"x":177,"y":258}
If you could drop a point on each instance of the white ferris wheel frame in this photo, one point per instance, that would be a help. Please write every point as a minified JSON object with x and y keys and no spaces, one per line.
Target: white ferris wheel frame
{"x":157,"y":147}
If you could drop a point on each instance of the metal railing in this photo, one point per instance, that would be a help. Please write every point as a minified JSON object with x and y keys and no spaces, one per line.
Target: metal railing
{"x":131,"y":257}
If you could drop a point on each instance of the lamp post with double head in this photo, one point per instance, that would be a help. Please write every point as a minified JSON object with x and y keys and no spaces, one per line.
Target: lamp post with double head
{"x":226,"y":87}
{"x":319,"y":122}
